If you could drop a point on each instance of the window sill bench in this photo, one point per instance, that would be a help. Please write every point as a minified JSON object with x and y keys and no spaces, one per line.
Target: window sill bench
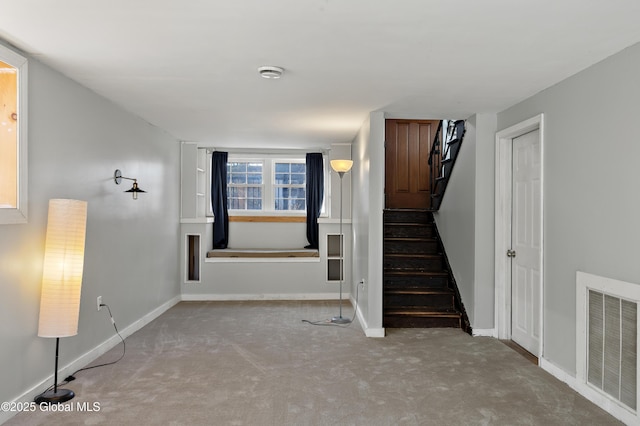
{"x":262,"y":255}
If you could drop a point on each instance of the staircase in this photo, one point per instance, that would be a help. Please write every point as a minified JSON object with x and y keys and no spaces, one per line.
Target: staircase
{"x":419,"y":288}
{"x":442,"y":158}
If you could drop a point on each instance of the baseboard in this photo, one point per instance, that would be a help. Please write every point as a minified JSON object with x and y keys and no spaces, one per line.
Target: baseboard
{"x":90,"y":356}
{"x":489,"y":332}
{"x":369,"y":332}
{"x":589,"y":393}
{"x":238,"y":297}
{"x":375,"y":332}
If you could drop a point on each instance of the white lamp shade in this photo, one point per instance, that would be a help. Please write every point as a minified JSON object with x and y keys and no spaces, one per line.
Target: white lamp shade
{"x":63,"y":267}
{"x":341,"y":165}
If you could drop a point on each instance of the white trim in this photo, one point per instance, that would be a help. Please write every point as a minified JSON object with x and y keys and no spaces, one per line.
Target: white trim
{"x":255,"y":296}
{"x":186,"y":258}
{"x":20,"y":213}
{"x":262,"y":260}
{"x":331,"y":221}
{"x":375,"y":332}
{"x":197,"y":220}
{"x":369,"y":332}
{"x":91,"y":355}
{"x":489,"y":332}
{"x":589,"y":393}
{"x":503,"y":178}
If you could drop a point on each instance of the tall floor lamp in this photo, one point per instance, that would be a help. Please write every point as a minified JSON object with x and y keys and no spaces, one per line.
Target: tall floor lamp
{"x":62,"y":281}
{"x":342,"y":167}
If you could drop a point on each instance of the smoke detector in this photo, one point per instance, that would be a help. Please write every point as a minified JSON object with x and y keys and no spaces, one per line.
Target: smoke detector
{"x":270,"y":72}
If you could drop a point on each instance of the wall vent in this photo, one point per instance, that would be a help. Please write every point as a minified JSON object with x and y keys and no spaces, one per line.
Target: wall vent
{"x":607,"y":339}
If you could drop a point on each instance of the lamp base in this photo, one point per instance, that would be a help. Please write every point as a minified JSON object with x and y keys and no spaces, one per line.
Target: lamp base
{"x":340,"y":320}
{"x":54,"y":397}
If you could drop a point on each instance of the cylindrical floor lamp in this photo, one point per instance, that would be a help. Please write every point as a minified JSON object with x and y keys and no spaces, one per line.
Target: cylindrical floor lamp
{"x":62,"y":281}
{"x":342,"y":167}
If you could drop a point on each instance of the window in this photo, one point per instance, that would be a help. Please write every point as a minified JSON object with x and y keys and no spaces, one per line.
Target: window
{"x":289,"y":186}
{"x":245,"y":185}
{"x":13,"y":137}
{"x":266,"y":184}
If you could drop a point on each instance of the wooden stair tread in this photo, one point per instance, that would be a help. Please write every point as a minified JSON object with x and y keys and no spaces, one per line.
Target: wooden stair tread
{"x":414,"y":255}
{"x":404,"y":273}
{"x":410,"y":239}
{"x":416,"y":224}
{"x":419,"y":291}
{"x":409,"y":210}
{"x":422,"y":312}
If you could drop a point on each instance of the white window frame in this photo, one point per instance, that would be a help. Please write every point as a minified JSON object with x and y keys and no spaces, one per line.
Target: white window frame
{"x":274,"y":185}
{"x":268,"y":193}
{"x":19,"y":213}
{"x":263,"y":185}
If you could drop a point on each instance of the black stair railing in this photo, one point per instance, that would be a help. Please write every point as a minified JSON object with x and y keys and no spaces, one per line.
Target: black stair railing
{"x":435,"y":158}
{"x":444,"y":152}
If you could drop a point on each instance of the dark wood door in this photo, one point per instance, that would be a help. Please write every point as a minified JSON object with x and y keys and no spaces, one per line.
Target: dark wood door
{"x":407,"y":177}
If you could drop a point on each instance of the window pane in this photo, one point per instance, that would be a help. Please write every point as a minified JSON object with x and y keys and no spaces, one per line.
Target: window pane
{"x":298,"y":168}
{"x":282,"y":167}
{"x":253,"y":178}
{"x":282,"y":179}
{"x":238,"y":167}
{"x":298,"y":193}
{"x":254,"y":168}
{"x":238,"y":178}
{"x":297,"y":204}
{"x":255,"y":192}
{"x":254,"y":204}
{"x":298,"y":179}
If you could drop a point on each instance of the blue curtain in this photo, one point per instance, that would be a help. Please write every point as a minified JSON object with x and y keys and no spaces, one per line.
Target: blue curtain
{"x":315,"y":192}
{"x":219,"y":199}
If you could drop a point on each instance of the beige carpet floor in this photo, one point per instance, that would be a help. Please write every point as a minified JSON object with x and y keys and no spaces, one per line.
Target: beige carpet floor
{"x":257,"y":363}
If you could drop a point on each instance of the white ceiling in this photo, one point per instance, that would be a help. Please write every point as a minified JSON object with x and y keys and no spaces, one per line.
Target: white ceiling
{"x":190,"y":66}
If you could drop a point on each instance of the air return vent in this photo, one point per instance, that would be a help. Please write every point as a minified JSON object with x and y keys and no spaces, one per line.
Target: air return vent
{"x":612,"y":338}
{"x":607,"y":339}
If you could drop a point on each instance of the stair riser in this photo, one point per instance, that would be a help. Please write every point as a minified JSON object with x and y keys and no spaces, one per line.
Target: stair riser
{"x":411,"y":247}
{"x":408,"y":231}
{"x":444,"y":301}
{"x":407,"y":217}
{"x":409,"y":263}
{"x":415,"y":282}
{"x":420,"y":322}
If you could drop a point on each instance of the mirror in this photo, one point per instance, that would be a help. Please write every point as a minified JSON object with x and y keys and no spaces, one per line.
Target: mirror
{"x":13,"y":140}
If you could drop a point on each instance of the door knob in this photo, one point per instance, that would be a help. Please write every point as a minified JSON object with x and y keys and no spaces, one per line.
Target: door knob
{"x":511,"y":253}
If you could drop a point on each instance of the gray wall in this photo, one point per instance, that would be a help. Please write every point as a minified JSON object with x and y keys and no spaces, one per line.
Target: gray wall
{"x":466,"y":220}
{"x":591,"y":193}
{"x":484,"y":291}
{"x":456,"y":218}
{"x":368,"y":204}
{"x":76,"y":141}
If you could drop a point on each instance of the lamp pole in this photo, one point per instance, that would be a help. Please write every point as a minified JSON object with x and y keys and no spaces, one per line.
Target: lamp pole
{"x":340,"y":319}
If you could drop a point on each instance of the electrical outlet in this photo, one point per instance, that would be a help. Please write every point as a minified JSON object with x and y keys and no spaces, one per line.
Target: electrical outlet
{"x":99,"y":302}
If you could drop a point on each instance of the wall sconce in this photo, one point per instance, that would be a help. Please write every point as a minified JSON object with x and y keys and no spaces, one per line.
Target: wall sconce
{"x":117,"y":177}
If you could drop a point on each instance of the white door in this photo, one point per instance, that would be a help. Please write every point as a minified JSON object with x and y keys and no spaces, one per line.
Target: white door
{"x":526,"y":247}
